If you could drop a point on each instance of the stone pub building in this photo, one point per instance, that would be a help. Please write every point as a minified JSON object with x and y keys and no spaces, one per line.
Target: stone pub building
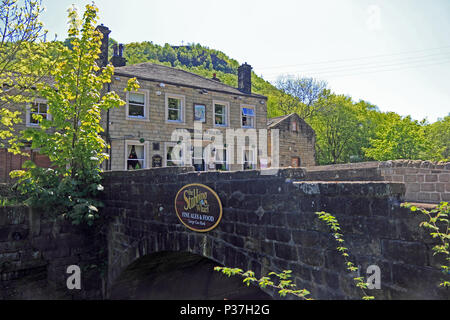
{"x":227,"y":128}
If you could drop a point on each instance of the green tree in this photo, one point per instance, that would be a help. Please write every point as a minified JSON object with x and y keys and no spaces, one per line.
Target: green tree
{"x":71,"y":138}
{"x":23,"y":58}
{"x":336,"y":126}
{"x":438,"y":136}
{"x":369,"y":118}
{"x":398,"y":138}
{"x":299,"y":95}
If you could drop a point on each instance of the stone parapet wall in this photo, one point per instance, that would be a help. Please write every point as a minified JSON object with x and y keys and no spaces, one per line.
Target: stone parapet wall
{"x":425,"y":181}
{"x":269,"y":224}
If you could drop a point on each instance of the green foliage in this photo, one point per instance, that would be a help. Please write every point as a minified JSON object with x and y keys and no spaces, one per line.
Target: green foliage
{"x":300,"y":95}
{"x":283,"y":284}
{"x":24,"y":58}
{"x":334,"y":226}
{"x":438,"y":136}
{"x":438,"y":225}
{"x":191,"y":55}
{"x":337,"y":128}
{"x":5,"y":202}
{"x":71,"y":137}
{"x":398,"y":138}
{"x":8,"y":119}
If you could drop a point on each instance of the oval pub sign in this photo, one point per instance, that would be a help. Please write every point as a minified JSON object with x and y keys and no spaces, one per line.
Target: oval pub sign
{"x":198,"y":207}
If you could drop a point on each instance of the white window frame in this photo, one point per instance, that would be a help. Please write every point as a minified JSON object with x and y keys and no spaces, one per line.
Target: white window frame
{"x":227,"y":113}
{"x":227,"y":160}
{"x":136,"y":143}
{"x":254,"y":116}
{"x":146,"y":94}
{"x":254,"y":162}
{"x":201,"y":158}
{"x":167,"y":145}
{"x":180,"y":97}
{"x":29,"y":116}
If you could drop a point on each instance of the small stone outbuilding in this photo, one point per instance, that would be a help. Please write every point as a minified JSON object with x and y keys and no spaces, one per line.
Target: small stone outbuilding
{"x":296,"y":139}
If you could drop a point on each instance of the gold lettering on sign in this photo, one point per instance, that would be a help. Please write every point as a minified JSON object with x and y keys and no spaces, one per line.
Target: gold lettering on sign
{"x":198,"y":207}
{"x":194,"y":198}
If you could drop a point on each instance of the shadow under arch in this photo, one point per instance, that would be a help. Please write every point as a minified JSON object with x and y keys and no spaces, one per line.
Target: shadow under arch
{"x":175,"y":275}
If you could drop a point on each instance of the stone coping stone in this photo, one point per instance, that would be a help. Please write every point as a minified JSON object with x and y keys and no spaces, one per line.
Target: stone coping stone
{"x":357,"y":188}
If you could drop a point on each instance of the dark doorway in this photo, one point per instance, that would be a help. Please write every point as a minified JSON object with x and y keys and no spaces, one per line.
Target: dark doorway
{"x":180,"y":276}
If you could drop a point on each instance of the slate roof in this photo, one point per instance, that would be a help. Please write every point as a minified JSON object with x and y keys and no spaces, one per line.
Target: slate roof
{"x":271,"y":122}
{"x":303,"y":125}
{"x":155,"y":72}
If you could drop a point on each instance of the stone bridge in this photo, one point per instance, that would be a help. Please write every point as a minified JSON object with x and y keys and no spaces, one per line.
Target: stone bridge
{"x":269,"y":224}
{"x":141,"y":249}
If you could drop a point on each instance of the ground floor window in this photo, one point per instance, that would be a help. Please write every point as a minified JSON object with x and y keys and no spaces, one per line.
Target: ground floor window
{"x":221,"y":159}
{"x":173,"y":159}
{"x":198,"y":161}
{"x":249,"y":159}
{"x":210,"y":158}
{"x":135,"y":156}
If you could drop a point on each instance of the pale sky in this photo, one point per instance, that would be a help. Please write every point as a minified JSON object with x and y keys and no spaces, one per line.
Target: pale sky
{"x":394,"y":54}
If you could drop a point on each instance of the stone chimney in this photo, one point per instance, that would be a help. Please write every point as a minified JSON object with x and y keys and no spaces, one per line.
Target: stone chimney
{"x":245,"y":78}
{"x":103,"y":59}
{"x":117,"y":59}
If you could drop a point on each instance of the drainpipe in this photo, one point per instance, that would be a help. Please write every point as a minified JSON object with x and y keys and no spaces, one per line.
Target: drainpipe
{"x":108,"y":138}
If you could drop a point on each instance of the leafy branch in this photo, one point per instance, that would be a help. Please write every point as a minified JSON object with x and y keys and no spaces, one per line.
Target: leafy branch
{"x":284,"y":285}
{"x":438,"y":224}
{"x":334,"y":226}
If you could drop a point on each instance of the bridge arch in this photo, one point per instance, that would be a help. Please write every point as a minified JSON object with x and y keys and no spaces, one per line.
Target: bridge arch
{"x":179,"y":275}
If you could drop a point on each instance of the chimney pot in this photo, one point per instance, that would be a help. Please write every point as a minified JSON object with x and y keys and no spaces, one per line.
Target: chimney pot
{"x":118,"y":60}
{"x":121,"y":50}
{"x":215,"y":77}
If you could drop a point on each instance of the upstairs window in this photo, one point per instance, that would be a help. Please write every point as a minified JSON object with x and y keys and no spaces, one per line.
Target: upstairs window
{"x":220,"y":114}
{"x":248,"y":117}
{"x":37,"y":109}
{"x":136,"y":105}
{"x":174,"y":108}
{"x":294,"y":126}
